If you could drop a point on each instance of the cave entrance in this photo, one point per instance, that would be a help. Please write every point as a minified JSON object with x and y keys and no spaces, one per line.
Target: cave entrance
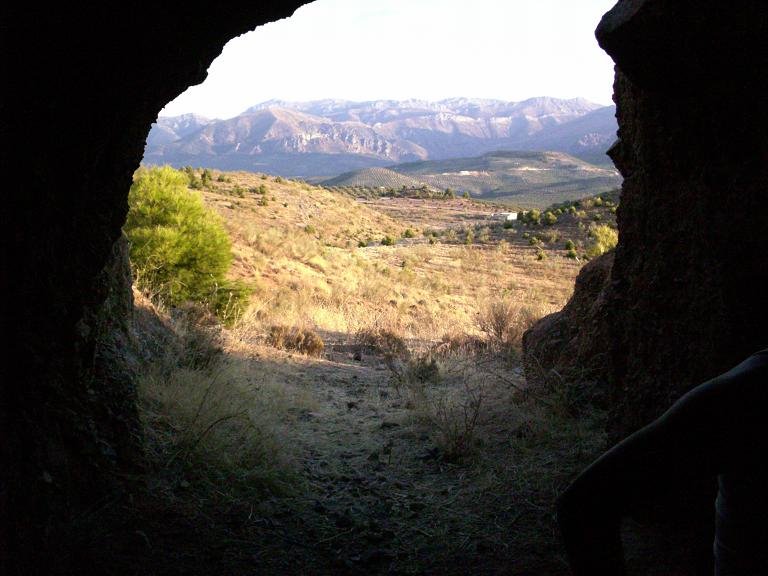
{"x":363,"y":405}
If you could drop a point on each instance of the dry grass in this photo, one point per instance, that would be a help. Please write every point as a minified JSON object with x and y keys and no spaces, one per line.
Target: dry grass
{"x":302,"y":340}
{"x":308,"y":271}
{"x":504,"y":321}
{"x":215,"y":425}
{"x":455,"y":450}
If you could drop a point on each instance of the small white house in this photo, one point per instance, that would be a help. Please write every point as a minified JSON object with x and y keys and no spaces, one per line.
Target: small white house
{"x":504,"y":216}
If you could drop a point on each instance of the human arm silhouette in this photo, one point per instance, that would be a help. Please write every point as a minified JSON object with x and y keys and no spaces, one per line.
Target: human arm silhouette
{"x":717,"y":427}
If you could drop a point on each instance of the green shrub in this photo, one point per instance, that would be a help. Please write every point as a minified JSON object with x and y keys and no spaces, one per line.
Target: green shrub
{"x":387,"y":241}
{"x":484,"y":235}
{"x":602,"y":239}
{"x":309,"y":229}
{"x":409,"y":233}
{"x":572,"y":254}
{"x":278,"y":179}
{"x":549,"y":218}
{"x":570,"y":245}
{"x":509,"y":224}
{"x":465,"y":195}
{"x":550,"y":236}
{"x":470,"y":236}
{"x":532,"y":217}
{"x":179,"y":249}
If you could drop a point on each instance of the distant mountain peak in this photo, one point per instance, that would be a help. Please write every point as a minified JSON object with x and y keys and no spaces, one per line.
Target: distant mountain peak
{"x":329,"y":136}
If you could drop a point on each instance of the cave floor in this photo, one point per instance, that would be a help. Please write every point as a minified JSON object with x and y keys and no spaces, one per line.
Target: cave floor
{"x":378,"y":494}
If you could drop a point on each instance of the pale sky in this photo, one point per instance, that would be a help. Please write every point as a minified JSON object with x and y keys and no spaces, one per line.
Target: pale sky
{"x":400,"y":49}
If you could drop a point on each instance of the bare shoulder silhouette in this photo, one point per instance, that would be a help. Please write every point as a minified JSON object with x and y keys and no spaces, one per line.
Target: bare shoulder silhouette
{"x":718,"y":429}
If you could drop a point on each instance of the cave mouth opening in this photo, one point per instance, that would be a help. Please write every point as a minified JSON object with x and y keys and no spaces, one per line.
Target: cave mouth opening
{"x":370,"y":402}
{"x":69,"y":436}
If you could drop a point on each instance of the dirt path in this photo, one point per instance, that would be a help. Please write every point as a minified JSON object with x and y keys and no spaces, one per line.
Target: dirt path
{"x":381,"y":498}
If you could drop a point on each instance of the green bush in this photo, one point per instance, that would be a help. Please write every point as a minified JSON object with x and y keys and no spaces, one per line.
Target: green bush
{"x":603,"y":238}
{"x":549,"y":218}
{"x":180,"y":250}
{"x":532,"y":217}
{"x":387,"y":241}
{"x":570,"y":245}
{"x":409,"y":233}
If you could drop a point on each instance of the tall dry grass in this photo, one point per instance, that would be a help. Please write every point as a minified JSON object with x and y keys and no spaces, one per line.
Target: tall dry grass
{"x":215,"y":423}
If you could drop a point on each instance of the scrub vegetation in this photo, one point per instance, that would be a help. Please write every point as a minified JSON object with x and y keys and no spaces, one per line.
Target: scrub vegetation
{"x":365,"y":411}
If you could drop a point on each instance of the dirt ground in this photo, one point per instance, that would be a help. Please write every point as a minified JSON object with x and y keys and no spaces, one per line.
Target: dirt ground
{"x":378,"y":495}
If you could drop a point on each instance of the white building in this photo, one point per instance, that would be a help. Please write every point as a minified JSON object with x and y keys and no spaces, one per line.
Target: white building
{"x":504,"y":216}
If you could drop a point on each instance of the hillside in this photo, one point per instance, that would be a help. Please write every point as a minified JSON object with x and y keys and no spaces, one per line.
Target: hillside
{"x":375,"y":178}
{"x":315,"y":255}
{"x":328,"y":137}
{"x":525,"y":179}
{"x":371,"y":399}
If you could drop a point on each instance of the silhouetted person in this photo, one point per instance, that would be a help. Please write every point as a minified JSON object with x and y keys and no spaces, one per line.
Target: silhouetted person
{"x":718,"y":429}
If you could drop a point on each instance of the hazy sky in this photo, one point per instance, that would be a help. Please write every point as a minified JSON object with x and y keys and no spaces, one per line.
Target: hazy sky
{"x":426,"y":49}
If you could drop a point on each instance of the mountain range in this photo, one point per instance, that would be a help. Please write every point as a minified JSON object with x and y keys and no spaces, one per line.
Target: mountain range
{"x":328,"y":137}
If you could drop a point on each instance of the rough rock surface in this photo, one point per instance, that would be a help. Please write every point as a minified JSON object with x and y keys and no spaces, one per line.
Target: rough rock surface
{"x":686,"y":296}
{"x":94,"y":80}
{"x":572,"y":345}
{"x":687,"y":291}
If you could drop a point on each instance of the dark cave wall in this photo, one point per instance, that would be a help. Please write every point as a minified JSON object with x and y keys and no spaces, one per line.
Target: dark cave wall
{"x":81,"y":88}
{"x":687,"y":294}
{"x":685,"y":298}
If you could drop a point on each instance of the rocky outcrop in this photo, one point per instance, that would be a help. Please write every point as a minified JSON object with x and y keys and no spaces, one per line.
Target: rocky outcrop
{"x":83,"y":87}
{"x":686,"y":297}
{"x":572,"y":345}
